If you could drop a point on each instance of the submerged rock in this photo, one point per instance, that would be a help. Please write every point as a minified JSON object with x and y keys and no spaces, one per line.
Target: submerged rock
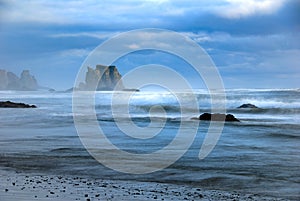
{"x":9,"y":104}
{"x":217,"y":117}
{"x":248,"y":105}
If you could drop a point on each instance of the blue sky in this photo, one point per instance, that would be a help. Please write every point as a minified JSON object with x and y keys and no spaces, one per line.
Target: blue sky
{"x":254,"y":43}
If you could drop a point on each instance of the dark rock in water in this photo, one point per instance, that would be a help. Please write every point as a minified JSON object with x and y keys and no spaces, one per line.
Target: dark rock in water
{"x":136,"y":90}
{"x":9,"y":104}
{"x":248,"y":105}
{"x":217,"y":117}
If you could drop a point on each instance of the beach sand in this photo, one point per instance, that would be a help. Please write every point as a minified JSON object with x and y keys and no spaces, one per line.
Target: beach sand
{"x":21,"y":187}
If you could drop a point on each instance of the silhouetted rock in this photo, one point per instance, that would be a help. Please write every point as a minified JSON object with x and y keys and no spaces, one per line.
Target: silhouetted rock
{"x":248,"y":105}
{"x":103,"y":78}
{"x":9,"y":104}
{"x":217,"y":117}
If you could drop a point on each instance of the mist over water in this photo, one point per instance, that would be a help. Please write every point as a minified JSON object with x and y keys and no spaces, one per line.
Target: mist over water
{"x":260,"y":154}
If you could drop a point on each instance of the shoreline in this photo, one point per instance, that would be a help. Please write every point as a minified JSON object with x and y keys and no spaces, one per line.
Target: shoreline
{"x":21,"y":187}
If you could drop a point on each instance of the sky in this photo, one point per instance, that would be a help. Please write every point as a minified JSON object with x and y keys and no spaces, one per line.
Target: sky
{"x":253,"y":43}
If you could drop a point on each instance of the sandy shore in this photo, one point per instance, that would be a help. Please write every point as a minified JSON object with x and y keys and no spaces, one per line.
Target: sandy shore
{"x":21,"y":187}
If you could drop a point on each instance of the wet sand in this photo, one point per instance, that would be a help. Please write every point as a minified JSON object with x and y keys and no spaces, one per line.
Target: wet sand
{"x":21,"y":187}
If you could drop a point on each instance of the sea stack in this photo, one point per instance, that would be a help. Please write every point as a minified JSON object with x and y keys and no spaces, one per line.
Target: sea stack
{"x":103,"y":78}
{"x":10,"y":81}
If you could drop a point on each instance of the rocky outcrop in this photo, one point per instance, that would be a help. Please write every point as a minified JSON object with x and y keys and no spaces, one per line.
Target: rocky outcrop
{"x":10,"y":81}
{"x":9,"y":104}
{"x":248,"y":105}
{"x":28,"y":82}
{"x":103,"y":78}
{"x":217,"y":117}
{"x":3,"y":80}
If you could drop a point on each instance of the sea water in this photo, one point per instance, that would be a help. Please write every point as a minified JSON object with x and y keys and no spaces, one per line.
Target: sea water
{"x":260,"y":154}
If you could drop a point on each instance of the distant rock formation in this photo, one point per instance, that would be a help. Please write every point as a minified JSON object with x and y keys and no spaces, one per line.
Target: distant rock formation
{"x":108,"y":81}
{"x":9,"y":81}
{"x":217,"y":117}
{"x":248,"y":105}
{"x":9,"y":104}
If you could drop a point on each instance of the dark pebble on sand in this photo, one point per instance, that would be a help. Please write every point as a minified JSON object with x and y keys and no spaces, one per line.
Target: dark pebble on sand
{"x":51,"y":192}
{"x":6,"y":190}
{"x":88,"y":199}
{"x":86,"y":195}
{"x":97,"y":195}
{"x":13,"y":183}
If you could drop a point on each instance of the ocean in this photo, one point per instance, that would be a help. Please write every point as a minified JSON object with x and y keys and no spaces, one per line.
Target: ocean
{"x":259,"y":155}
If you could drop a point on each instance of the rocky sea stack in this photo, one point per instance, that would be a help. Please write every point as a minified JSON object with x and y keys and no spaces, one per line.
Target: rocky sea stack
{"x":103,"y":78}
{"x":10,"y":81}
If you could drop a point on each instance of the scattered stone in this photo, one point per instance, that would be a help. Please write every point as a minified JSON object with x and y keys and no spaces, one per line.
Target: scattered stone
{"x":6,"y":190}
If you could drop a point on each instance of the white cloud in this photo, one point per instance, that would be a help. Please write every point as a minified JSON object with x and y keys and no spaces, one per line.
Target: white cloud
{"x":134,"y":46}
{"x":244,"y":8}
{"x":99,"y":35}
{"x":74,"y":53}
{"x":198,"y":37}
{"x":30,"y":11}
